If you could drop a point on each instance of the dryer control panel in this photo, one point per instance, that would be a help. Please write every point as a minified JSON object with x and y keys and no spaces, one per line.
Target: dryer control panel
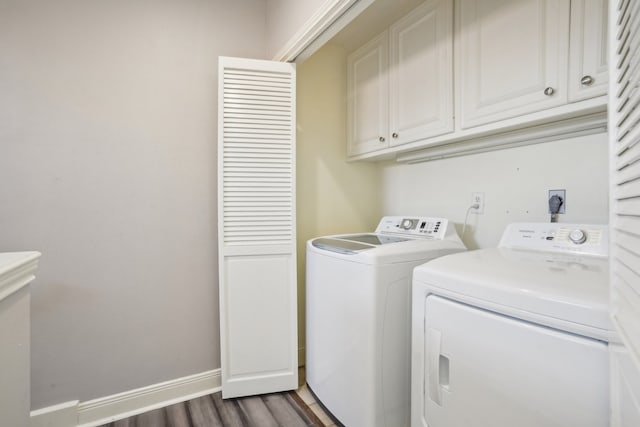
{"x":414,"y":226}
{"x":587,"y":239}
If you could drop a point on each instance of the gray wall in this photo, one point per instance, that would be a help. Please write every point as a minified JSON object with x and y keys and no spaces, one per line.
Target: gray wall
{"x":285,"y":18}
{"x":108,"y":115}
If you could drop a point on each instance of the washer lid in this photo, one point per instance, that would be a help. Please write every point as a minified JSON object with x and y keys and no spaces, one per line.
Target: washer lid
{"x":354,"y":243}
{"x":550,"y":288}
{"x":373,"y":239}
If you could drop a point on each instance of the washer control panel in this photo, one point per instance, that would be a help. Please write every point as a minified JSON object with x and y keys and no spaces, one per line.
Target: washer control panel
{"x":415,"y":226}
{"x":585,"y":239}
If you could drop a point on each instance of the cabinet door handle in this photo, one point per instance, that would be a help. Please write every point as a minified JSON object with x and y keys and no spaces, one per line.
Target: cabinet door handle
{"x":395,"y":135}
{"x":549,"y":91}
{"x":381,"y":139}
{"x":587,"y":80}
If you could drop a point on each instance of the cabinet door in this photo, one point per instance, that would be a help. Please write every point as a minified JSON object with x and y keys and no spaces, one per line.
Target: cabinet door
{"x":367,"y":88}
{"x":421,"y":73}
{"x":513,"y":58}
{"x":588,"y":65}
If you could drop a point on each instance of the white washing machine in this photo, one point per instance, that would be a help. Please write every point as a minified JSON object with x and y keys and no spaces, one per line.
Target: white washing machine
{"x":515,"y":335}
{"x":358,"y":291}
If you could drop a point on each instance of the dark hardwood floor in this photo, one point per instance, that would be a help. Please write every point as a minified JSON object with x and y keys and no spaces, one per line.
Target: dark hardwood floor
{"x":270,"y":410}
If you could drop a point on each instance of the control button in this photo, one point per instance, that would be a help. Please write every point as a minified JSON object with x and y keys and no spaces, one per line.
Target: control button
{"x":578,"y":237}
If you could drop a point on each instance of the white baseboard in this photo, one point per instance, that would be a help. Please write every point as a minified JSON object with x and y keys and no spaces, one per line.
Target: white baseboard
{"x":62,"y":415}
{"x":110,"y":408}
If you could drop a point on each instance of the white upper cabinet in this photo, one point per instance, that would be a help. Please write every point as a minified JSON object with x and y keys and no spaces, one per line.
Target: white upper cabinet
{"x":368,"y":100}
{"x":421,"y":73}
{"x":512,"y":58}
{"x":527,"y":70}
{"x":588,"y":65}
{"x":400,"y":84}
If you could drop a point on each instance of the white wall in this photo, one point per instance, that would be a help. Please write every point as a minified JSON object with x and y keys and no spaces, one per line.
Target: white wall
{"x":285,"y":18}
{"x":515,"y":182}
{"x":108,"y":136}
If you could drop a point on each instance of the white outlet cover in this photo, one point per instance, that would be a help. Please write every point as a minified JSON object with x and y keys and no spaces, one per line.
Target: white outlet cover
{"x":478,"y":198}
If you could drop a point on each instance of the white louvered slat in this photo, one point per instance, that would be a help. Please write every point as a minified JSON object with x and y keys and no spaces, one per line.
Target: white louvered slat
{"x":257,"y":118}
{"x":253,"y":224}
{"x":628,"y":139}
{"x":626,"y":175}
{"x":258,"y":186}
{"x":256,"y":227}
{"x":269,"y":152}
{"x":629,"y":156}
{"x":255,"y":215}
{"x":629,"y":242}
{"x":233,"y":109}
{"x":249,"y":131}
{"x":626,"y":273}
{"x":272,"y":211}
{"x":257,"y":144}
{"x":259,"y":178}
{"x":626,"y":192}
{"x":625,"y":212}
{"x":627,"y":207}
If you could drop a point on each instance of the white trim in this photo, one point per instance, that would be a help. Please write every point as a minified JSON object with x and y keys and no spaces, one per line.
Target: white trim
{"x":16,"y":271}
{"x":62,"y":415}
{"x":122,"y":405}
{"x":571,"y":128}
{"x":332,"y":17}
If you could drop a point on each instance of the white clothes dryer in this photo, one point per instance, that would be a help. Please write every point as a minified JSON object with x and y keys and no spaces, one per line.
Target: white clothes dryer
{"x":515,"y":335}
{"x":358,"y":291}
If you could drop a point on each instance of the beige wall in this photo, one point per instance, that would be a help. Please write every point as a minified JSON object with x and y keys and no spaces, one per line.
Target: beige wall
{"x":332,"y":196}
{"x":515,"y":182}
{"x":108,"y":114}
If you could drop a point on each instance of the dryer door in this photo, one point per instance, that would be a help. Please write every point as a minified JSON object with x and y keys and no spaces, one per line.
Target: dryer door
{"x":488,"y":370}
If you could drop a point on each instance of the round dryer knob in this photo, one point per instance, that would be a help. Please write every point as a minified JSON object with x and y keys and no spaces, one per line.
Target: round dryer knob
{"x":406,"y":224}
{"x":578,"y":236}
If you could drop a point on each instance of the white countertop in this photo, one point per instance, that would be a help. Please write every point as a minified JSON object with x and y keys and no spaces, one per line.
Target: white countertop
{"x":16,"y":271}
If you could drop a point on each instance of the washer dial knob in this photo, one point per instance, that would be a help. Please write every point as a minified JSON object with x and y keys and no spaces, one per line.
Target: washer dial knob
{"x":407,"y":224}
{"x":577,"y":236}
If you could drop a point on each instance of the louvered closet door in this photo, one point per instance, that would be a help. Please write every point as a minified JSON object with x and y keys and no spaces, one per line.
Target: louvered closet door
{"x":256,"y":199}
{"x":624,"y":116}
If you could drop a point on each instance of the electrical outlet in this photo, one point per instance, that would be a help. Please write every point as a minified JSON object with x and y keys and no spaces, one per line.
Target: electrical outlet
{"x":477,"y":198}
{"x":563,"y":195}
